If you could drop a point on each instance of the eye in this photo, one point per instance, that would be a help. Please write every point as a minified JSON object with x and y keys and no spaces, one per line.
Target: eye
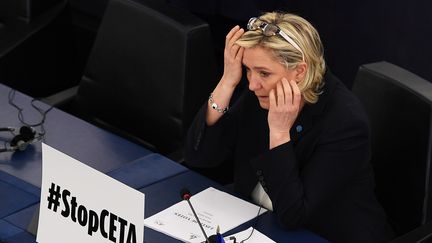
{"x":264,"y":74}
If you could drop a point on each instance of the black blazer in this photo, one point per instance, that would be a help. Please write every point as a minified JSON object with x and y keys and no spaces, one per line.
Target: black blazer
{"x":321,"y":180}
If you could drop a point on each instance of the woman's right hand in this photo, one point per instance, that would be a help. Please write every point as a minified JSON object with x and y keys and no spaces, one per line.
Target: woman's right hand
{"x":233,"y":55}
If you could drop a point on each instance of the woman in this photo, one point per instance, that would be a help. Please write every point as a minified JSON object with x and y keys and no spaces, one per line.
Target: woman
{"x":298,"y":138}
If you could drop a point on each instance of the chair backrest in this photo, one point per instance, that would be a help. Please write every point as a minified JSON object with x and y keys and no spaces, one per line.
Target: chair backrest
{"x":25,"y":10}
{"x":399,"y":107}
{"x":152,"y":66}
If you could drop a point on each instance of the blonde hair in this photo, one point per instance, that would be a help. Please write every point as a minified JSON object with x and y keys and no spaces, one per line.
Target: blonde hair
{"x":305,"y":36}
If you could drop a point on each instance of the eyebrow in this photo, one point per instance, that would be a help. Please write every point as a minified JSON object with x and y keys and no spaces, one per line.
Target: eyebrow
{"x":256,"y":68}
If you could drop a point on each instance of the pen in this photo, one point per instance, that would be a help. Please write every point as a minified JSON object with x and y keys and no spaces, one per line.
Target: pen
{"x":219,"y":238}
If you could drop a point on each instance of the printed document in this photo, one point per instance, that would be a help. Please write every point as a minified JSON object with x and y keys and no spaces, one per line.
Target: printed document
{"x":213,"y":207}
{"x":256,"y":237}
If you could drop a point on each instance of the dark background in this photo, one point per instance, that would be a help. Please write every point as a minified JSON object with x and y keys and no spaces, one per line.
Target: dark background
{"x":353,"y":32}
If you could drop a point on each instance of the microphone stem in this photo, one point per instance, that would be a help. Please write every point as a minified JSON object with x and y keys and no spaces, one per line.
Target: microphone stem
{"x":199,"y":223}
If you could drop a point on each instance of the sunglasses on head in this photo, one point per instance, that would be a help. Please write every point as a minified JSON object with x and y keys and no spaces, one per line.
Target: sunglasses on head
{"x":271,"y":30}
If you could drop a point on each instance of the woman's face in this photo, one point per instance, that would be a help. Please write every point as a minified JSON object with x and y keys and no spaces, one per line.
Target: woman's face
{"x":264,"y":72}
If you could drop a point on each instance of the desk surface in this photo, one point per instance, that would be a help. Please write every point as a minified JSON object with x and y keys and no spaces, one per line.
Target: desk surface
{"x":107,"y":153}
{"x":167,"y":192}
{"x":81,"y":140}
{"x":159,"y":196}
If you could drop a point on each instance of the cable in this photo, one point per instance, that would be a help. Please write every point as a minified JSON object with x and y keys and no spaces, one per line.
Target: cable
{"x":254,"y":224}
{"x":43,"y":113}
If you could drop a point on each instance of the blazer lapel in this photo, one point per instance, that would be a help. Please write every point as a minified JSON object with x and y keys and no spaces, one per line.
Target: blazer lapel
{"x":311,"y":113}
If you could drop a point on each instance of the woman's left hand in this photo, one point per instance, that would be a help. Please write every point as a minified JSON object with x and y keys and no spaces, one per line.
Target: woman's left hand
{"x":285,"y":100}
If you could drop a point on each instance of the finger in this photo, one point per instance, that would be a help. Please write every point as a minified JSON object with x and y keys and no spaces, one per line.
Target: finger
{"x":236,"y":36}
{"x":296,"y":93}
{"x":239,"y":56}
{"x":280,"y":94}
{"x":288,"y":91}
{"x":234,"y":50}
{"x":272,"y":100}
{"x":230,"y":34}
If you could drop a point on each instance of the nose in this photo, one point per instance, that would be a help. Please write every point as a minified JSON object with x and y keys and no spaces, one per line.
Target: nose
{"x":254,"y":84}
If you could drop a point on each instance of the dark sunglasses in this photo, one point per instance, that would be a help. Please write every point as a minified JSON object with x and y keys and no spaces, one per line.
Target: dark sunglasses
{"x":271,"y":30}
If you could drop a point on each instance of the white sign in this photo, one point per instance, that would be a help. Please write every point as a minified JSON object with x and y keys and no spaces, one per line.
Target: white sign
{"x":81,"y":204}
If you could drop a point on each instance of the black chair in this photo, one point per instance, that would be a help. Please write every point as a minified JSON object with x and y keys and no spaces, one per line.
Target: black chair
{"x":28,"y":45}
{"x":152,"y":66}
{"x":399,"y":107}
{"x":20,"y":19}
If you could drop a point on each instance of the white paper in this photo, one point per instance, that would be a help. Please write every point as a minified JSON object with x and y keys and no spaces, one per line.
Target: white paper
{"x":213,"y":208}
{"x":256,"y":237}
{"x":108,"y":202}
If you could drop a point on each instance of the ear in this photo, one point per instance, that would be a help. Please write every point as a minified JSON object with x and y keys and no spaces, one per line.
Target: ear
{"x":300,"y":70}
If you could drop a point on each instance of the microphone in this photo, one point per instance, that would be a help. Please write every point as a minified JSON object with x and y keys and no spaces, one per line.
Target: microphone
{"x":186,"y":195}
